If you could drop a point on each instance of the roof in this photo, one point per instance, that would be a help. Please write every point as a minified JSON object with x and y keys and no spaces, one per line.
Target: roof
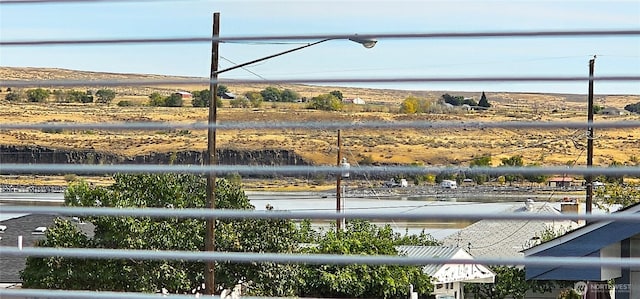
{"x":446,"y":273}
{"x":20,"y":226}
{"x":560,"y":179}
{"x":588,"y":240}
{"x":24,"y":226}
{"x":504,"y":238}
{"x":445,"y":252}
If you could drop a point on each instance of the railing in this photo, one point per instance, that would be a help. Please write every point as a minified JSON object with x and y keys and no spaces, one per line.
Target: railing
{"x":298,"y":170}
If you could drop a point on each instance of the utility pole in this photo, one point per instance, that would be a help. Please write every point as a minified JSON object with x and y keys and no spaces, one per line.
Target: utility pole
{"x":338,"y":183}
{"x":589,"y":177}
{"x":210,"y":238}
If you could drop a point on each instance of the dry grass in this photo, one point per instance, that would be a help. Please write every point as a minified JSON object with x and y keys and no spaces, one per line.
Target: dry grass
{"x":425,"y":146}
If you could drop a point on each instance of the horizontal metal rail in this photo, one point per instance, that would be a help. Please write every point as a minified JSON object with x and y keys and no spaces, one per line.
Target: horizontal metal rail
{"x":316,"y":80}
{"x":318,"y":259}
{"x":304,"y":170}
{"x":418,"y":35}
{"x":312,"y":214}
{"x":242,"y":125}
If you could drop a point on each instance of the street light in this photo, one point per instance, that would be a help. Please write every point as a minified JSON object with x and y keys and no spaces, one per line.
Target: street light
{"x":210,"y":158}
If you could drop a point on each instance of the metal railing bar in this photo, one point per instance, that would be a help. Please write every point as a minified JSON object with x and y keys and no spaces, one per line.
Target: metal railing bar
{"x":313,"y":214}
{"x":316,"y":80}
{"x":319,"y":259}
{"x":379,"y":36}
{"x":6,"y":168}
{"x":239,"y":125}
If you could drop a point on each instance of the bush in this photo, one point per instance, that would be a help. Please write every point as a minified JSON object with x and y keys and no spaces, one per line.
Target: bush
{"x":240,"y":102}
{"x":125,"y":103}
{"x":633,"y":107}
{"x":70,"y":177}
{"x":52,"y":130}
{"x":37,"y":95}
{"x":105,"y":95}
{"x":13,"y":97}
{"x":326,"y":102}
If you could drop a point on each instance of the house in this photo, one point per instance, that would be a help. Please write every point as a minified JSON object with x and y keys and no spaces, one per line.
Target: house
{"x":228,"y":96}
{"x":507,"y":238}
{"x":356,"y":101}
{"x":23,"y":226}
{"x":560,"y":182}
{"x":449,"y":279}
{"x":184,"y":95}
{"x":613,"y":111}
{"x":31,"y":228}
{"x":614,"y":239}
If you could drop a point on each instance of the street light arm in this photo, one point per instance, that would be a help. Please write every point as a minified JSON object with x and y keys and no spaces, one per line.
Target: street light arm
{"x":271,"y":56}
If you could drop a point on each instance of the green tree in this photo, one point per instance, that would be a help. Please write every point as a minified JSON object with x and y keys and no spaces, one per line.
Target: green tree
{"x":480,"y":177}
{"x":171,"y":191}
{"x":271,"y":94}
{"x":156,"y":100}
{"x":37,"y":95}
{"x":510,"y":282}
{"x":597,"y":109}
{"x":14,"y":96}
{"x":633,"y":107}
{"x":202,"y":98}
{"x":409,"y":105}
{"x":240,"y":102}
{"x":289,"y":95}
{"x":337,"y":94}
{"x":513,"y":161}
{"x":76,"y":96}
{"x":325,"y":102}
{"x":536,"y":178}
{"x":621,"y":194}
{"x":453,"y":100}
{"x":255,"y":98}
{"x":221,"y":90}
{"x":615,"y":179}
{"x":362,"y":237}
{"x":105,"y":96}
{"x":483,"y":101}
{"x":174,"y":100}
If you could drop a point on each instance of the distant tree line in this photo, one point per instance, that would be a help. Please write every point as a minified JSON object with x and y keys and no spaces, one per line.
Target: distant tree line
{"x":41,"y":95}
{"x":412,"y":104}
{"x":635,"y":108}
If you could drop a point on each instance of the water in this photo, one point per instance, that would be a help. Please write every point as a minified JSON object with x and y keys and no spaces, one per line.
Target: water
{"x":314,"y":201}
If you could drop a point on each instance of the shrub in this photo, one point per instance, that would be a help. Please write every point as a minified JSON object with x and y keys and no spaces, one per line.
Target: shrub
{"x":37,"y":95}
{"x":125,"y":103}
{"x":70,"y":177}
{"x":13,"y":97}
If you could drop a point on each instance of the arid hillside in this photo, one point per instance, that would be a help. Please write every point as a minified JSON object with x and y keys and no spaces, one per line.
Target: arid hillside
{"x":442,"y":146}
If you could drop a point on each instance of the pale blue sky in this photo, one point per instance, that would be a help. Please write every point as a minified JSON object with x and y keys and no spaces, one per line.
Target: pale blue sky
{"x":560,"y":56}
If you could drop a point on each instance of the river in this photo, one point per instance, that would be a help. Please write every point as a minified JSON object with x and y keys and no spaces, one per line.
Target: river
{"x":316,"y":201}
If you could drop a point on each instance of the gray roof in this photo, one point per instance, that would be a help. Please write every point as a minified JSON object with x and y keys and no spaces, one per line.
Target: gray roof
{"x":20,"y":226}
{"x":504,"y":238}
{"x":445,"y":252}
{"x":24,"y":226}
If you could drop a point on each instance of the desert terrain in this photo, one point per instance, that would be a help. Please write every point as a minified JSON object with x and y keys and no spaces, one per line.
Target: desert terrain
{"x":441,"y":146}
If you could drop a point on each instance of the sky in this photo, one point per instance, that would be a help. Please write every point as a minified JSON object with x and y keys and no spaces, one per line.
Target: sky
{"x":390,"y":58}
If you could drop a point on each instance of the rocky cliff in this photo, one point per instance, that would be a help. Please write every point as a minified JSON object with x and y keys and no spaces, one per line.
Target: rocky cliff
{"x":35,"y":155}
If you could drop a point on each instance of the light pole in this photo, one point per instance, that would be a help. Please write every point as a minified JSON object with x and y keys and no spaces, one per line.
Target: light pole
{"x":210,"y":158}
